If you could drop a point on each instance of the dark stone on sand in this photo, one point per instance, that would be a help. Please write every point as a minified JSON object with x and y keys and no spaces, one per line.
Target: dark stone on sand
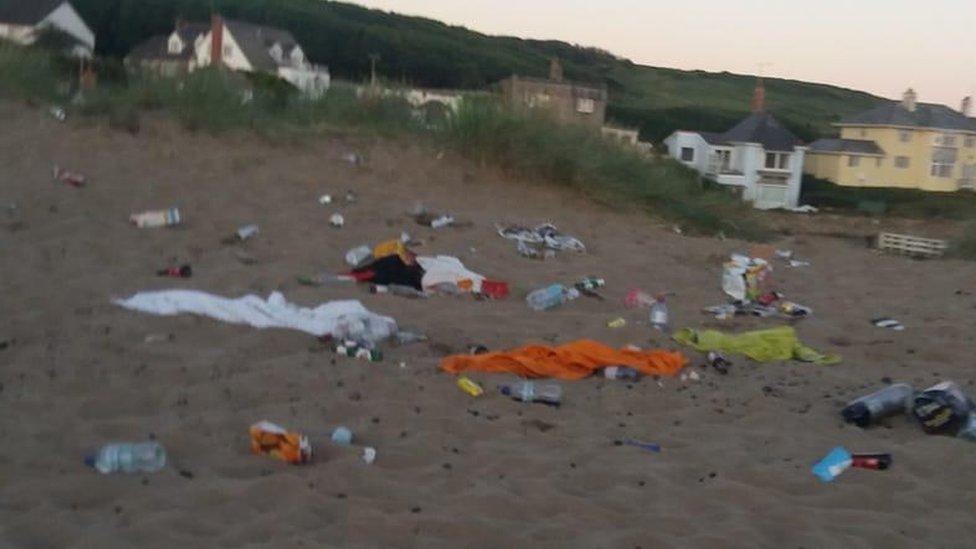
{"x":187,"y":474}
{"x":886,"y":380}
{"x":340,"y":495}
{"x":355,"y":396}
{"x":447,"y":466}
{"x":375,"y":420}
{"x":415,"y":510}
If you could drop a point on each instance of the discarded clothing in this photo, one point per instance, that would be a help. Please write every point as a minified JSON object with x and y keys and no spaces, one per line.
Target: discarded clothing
{"x":762,"y":345}
{"x":574,"y":360}
{"x":391,"y":270}
{"x":274,"y":312}
{"x":393,"y":247}
{"x":546,"y":234}
{"x":445,"y":269}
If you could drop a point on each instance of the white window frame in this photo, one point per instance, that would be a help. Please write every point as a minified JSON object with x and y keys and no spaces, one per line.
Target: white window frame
{"x":681,"y":154}
{"x":585,"y":105}
{"x":853,"y":161}
{"x":942,"y":167}
{"x":970,"y":142}
{"x":903,"y":162}
{"x":905,"y":136}
{"x":780,"y":161}
{"x":945,"y":140}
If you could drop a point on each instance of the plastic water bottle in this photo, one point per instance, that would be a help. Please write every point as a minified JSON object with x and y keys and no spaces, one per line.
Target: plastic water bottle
{"x":868,"y":409}
{"x":659,"y":313}
{"x":551,"y":296}
{"x":621,"y":372}
{"x":529,"y":391}
{"x":128,"y":457}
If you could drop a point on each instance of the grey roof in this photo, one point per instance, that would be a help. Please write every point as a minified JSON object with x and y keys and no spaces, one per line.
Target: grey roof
{"x":190,"y":31}
{"x":157,"y":47}
{"x":926,"y":115}
{"x":27,"y":12}
{"x":762,"y":128}
{"x":256,"y":40}
{"x":856,"y":146}
{"x":712,"y":138}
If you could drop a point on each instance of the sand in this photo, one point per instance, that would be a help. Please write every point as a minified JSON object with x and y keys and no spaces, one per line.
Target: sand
{"x":451,"y":471}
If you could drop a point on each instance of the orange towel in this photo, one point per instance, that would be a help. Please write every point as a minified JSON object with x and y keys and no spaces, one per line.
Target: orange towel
{"x":574,"y":360}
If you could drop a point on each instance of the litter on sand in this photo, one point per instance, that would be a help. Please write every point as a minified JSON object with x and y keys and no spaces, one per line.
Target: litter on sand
{"x":273,"y":440}
{"x":69,"y":178}
{"x":273,"y":312}
{"x":575,"y":360}
{"x":543,"y":236}
{"x":762,"y":345}
{"x":890,"y":323}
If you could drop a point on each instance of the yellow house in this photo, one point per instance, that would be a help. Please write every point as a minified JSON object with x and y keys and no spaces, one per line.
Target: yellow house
{"x":902,"y":144}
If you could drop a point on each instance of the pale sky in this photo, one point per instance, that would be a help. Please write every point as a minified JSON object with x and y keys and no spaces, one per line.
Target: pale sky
{"x":879,"y":46}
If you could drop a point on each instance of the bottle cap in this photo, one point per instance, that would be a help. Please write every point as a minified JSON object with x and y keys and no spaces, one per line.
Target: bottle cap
{"x":90,"y":460}
{"x":857,"y":414}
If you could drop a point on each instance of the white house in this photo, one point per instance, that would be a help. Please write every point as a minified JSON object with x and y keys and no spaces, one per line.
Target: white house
{"x":254,"y":48}
{"x":21,"y":21}
{"x":758,"y":155}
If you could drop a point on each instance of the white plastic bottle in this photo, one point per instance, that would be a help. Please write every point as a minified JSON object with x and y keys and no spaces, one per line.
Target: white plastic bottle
{"x":128,"y":457}
{"x":659,"y":313}
{"x":529,"y":391}
{"x":551,"y":296}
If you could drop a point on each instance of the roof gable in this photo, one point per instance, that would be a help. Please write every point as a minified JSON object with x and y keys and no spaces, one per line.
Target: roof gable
{"x":27,"y":12}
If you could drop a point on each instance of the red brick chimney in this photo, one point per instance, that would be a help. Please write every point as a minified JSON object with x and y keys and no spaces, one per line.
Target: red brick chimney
{"x":759,"y":97}
{"x":216,"y":40}
{"x":555,"y":70}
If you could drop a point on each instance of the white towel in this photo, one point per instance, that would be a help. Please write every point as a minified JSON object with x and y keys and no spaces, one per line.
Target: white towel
{"x":275,"y":312}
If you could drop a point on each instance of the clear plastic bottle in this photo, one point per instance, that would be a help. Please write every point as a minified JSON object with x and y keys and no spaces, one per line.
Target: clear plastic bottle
{"x":868,"y":409}
{"x":529,"y":391}
{"x":128,"y":457}
{"x":659,"y":313}
{"x":621,"y":372}
{"x":551,"y":296}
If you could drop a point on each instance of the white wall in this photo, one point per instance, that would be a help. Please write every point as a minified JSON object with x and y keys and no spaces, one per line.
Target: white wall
{"x":68,"y":20}
{"x":680,"y":139}
{"x":233,"y":59}
{"x":18,"y":34}
{"x":313,"y":82}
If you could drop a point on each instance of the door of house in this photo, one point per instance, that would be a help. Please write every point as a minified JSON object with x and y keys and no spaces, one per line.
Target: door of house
{"x":772,"y":193}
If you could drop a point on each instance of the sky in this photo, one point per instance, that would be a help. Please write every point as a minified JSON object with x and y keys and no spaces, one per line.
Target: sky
{"x":879,"y":46}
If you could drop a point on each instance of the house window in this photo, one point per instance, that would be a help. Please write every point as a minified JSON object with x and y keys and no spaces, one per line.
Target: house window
{"x":777,"y":161}
{"x":901,"y":162}
{"x":853,"y":161}
{"x":687,"y":154}
{"x":943,"y":160}
{"x":970,"y":142}
{"x":905,"y":136}
{"x":945,"y":140}
{"x":585,"y":105}
{"x":228,"y":51}
{"x":877,"y":162}
{"x":864,"y":133}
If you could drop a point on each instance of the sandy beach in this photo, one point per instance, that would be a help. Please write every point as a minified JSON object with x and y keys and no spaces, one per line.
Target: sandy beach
{"x":452,"y":471}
